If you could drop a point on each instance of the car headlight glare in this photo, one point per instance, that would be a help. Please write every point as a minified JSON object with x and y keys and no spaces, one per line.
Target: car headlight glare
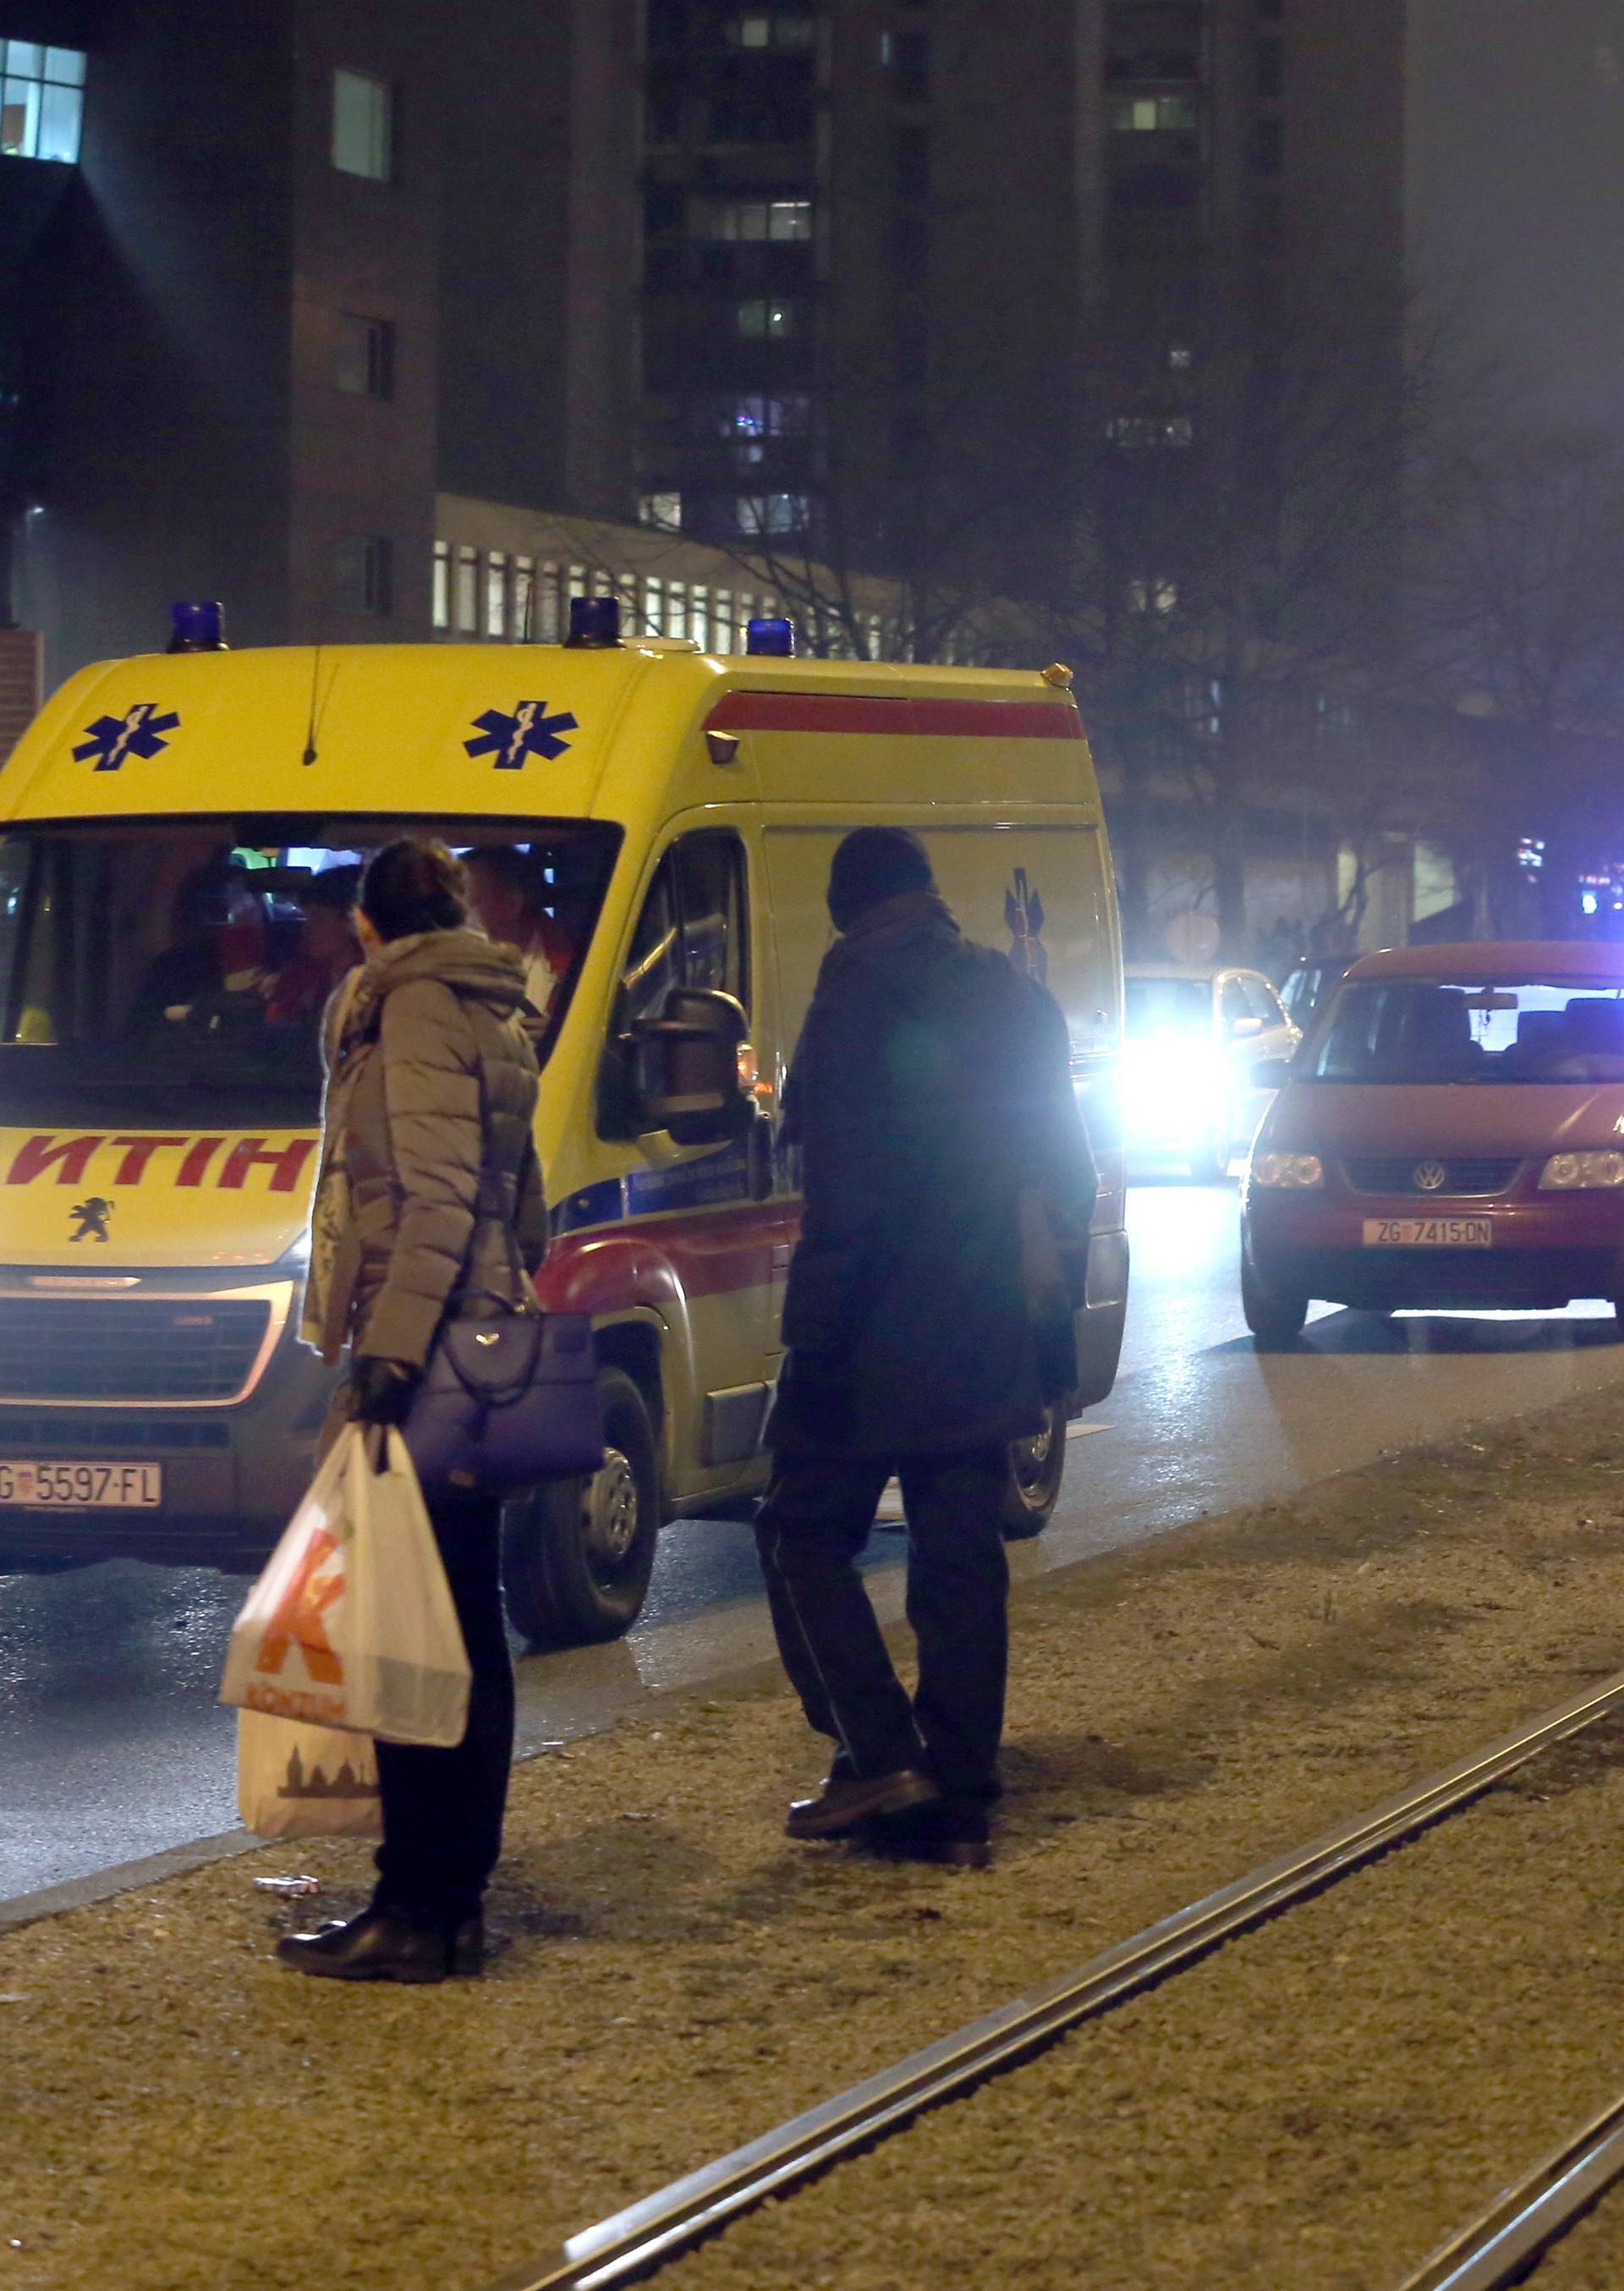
{"x":1289,"y":1172}
{"x":1573,"y":1173}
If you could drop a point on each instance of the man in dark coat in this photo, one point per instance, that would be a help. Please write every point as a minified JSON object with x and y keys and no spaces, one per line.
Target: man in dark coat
{"x":948,"y":1185}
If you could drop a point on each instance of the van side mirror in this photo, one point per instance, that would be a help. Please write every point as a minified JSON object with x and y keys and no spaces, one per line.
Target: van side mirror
{"x":1245,"y":1030}
{"x":688,"y":1070}
{"x":1270,"y":1074}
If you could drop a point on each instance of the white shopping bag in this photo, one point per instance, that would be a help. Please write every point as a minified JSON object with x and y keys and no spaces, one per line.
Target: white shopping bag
{"x":305,"y":1781}
{"x":351,"y":1624}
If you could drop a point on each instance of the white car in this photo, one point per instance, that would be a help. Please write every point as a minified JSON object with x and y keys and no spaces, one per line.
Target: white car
{"x":1191,"y":1038}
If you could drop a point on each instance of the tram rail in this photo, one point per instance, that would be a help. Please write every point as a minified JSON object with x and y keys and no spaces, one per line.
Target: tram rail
{"x":639,"y":2241}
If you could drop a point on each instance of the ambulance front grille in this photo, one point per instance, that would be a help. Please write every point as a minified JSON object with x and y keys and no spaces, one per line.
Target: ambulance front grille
{"x":130,"y":1348}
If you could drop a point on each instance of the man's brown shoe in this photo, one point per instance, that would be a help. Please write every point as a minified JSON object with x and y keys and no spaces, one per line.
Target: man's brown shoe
{"x":847,"y":1801}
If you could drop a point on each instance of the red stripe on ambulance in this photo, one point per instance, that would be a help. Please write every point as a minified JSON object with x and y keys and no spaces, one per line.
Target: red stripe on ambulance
{"x":898,"y":717}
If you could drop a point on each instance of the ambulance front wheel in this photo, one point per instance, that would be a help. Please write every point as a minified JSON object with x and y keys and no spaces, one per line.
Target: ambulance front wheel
{"x":1036,"y":1468}
{"x":576,"y":1555}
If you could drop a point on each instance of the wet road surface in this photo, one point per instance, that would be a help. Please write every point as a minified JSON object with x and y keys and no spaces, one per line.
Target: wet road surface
{"x":112,"y":1746}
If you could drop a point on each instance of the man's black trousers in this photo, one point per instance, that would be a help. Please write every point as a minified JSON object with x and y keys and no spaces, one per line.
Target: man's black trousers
{"x":811,"y":1533}
{"x":443,"y":1809}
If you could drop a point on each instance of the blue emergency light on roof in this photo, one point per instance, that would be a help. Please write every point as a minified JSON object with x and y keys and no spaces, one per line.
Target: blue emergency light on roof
{"x":198,"y":627}
{"x":594,"y":621}
{"x":774,"y":638}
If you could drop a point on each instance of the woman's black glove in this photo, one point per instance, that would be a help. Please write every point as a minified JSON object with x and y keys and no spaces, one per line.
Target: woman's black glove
{"x":380,"y":1390}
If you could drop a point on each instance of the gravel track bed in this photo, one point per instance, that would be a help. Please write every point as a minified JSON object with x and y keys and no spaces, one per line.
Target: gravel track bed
{"x":1317,"y":2105}
{"x":177,"y":2111}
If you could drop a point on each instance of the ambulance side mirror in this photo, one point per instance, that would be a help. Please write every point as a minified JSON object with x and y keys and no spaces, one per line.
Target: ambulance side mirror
{"x":690,"y":1068}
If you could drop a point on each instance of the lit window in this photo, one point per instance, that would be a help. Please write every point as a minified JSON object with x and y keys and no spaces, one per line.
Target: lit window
{"x":760,"y":30}
{"x":653,"y":605}
{"x":1143,"y":432}
{"x":1152,"y":114}
{"x":721,"y":621}
{"x":442,"y":585}
{"x":699,"y":617}
{"x":1158,"y":596}
{"x":663,"y":510}
{"x":524,"y":600}
{"x":496,"y":594}
{"x":785,"y":221}
{"x":42,"y":100}
{"x":766,"y":320}
{"x":1180,"y":357}
{"x":773,"y":512}
{"x":364,"y":357}
{"x":468,"y":591}
{"x":548,"y":628}
{"x":676,"y":608}
{"x":363,"y":126}
{"x":364,"y":569}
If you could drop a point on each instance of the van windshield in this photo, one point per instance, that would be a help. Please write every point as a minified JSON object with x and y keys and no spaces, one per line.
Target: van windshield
{"x":1166,"y":1006}
{"x":1414,"y":1031}
{"x":175,"y":966}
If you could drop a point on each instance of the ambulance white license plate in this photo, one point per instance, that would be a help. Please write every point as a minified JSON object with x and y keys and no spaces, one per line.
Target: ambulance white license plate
{"x":1429,"y":1232}
{"x":82,"y":1487}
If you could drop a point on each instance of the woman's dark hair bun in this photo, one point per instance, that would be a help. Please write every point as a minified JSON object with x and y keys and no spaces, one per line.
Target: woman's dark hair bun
{"x":412,"y":885}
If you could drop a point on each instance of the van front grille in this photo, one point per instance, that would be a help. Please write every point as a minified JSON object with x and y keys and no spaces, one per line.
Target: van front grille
{"x":1468,"y":1179}
{"x":163,"y":1349}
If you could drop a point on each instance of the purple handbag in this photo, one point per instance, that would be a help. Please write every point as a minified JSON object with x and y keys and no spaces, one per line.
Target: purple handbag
{"x":508,"y":1400}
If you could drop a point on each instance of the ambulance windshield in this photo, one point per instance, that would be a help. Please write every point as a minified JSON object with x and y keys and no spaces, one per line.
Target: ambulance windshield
{"x":160,"y":962}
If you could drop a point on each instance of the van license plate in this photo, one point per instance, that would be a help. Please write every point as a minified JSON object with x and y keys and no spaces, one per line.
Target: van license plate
{"x":82,"y":1487}
{"x":1429,"y":1233}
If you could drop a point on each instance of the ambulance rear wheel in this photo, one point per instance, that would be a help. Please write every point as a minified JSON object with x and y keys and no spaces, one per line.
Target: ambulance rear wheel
{"x":1036,"y":1468}
{"x":576,"y":1555}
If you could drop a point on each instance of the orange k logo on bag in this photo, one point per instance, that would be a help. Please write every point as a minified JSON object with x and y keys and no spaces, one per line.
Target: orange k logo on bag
{"x":298,"y":1619}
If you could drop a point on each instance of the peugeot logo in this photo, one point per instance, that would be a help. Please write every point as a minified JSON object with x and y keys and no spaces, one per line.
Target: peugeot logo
{"x":1429,"y":1177}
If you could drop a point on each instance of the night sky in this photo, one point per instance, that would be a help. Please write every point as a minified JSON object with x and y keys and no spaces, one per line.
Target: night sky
{"x":1517,"y":182}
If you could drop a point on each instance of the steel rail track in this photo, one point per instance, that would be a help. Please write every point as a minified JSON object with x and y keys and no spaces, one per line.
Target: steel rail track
{"x":633,"y":2242}
{"x":1525,"y":2219}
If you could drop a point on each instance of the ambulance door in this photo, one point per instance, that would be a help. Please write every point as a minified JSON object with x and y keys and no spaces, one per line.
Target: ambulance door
{"x":695,"y":1207}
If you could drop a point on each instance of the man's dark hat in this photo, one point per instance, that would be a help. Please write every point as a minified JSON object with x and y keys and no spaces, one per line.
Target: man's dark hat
{"x":873,"y":864}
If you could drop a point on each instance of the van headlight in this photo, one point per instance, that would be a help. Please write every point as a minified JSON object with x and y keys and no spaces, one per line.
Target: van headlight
{"x":1290,"y":1172}
{"x":1576,"y":1173}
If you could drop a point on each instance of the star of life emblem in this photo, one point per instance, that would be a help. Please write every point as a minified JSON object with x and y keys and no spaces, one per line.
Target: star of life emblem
{"x":140,"y":731}
{"x":528,"y":731}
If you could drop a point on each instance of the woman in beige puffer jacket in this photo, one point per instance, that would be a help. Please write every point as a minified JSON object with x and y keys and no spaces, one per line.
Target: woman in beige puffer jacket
{"x":429,"y":1175}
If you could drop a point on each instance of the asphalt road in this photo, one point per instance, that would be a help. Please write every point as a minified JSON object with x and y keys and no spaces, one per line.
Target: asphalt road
{"x":112,"y":1746}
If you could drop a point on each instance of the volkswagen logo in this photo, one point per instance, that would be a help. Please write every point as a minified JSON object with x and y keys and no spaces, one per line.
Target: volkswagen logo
{"x":1429,"y":1177}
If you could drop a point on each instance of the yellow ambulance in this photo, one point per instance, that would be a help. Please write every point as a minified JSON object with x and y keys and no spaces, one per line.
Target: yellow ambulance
{"x":179,"y":839}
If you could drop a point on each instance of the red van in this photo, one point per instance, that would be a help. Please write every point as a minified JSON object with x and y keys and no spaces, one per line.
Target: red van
{"x":1451,"y":1134}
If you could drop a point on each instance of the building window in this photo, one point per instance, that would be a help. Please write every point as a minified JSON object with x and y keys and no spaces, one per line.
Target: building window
{"x":676,"y":608}
{"x":468,"y":591}
{"x":699,"y":617}
{"x":442,"y":585}
{"x":364,"y":357}
{"x":761,"y":30}
{"x":549,"y":625}
{"x":1180,"y":357}
{"x":363,"y":126}
{"x":721,"y":621}
{"x":663,"y":510}
{"x":773,"y":512}
{"x":653,"y":605}
{"x":1160,"y":597}
{"x":524,"y":600}
{"x":783,"y":222}
{"x":365,"y":568}
{"x":42,"y":100}
{"x":1152,"y":114}
{"x":766,"y":320}
{"x":496,"y":594}
{"x":1140,"y":431}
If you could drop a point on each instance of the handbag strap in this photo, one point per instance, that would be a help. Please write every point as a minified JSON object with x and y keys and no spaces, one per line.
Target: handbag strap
{"x":496,"y":1199}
